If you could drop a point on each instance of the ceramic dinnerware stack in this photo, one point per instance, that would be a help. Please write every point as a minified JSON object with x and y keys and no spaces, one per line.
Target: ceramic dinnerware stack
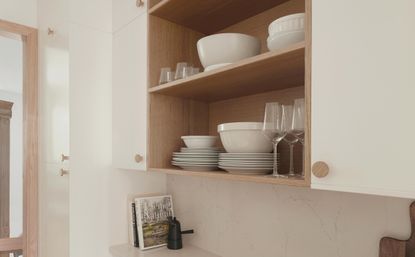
{"x":199,"y":155}
{"x":248,"y":149}
{"x":286,"y":31}
{"x":246,"y":163}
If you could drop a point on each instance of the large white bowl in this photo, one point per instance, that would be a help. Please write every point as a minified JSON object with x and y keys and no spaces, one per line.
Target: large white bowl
{"x":284,"y":39}
{"x":199,"y":141}
{"x":227,"y":48}
{"x":287,"y":23}
{"x":244,"y":137}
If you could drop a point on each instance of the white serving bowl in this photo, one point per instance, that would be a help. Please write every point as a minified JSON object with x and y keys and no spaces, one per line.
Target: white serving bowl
{"x":284,"y":39}
{"x":244,"y":137}
{"x":199,"y":141}
{"x":287,"y":23}
{"x":227,"y":48}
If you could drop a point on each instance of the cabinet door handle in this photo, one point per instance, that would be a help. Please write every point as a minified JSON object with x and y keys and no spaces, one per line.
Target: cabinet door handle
{"x":64,"y":172}
{"x":320,"y":169}
{"x":64,"y":157}
{"x":140,"y":3}
{"x":138,"y":158}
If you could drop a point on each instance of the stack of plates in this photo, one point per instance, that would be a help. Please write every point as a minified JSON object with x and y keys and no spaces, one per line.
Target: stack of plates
{"x":197,"y":159}
{"x":247,"y":163}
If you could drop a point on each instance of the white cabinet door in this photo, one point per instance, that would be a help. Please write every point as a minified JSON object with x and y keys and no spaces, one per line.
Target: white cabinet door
{"x":125,"y":11}
{"x":129,"y":112}
{"x":363,"y":89}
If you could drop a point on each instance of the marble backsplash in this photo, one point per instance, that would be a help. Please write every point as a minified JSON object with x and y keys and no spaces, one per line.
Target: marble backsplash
{"x":238,"y":219}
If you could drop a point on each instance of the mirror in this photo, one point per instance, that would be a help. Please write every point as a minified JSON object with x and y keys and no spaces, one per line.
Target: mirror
{"x":11,"y":137}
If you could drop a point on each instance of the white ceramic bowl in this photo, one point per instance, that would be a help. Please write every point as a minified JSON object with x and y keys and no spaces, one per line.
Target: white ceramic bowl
{"x":287,"y":23}
{"x":227,"y":48}
{"x":244,"y":137}
{"x":284,"y":39}
{"x":199,"y":141}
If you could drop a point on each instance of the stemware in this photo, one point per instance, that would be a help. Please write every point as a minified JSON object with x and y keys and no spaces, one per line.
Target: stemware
{"x":275,"y":127}
{"x":290,"y":138}
{"x":297,"y":128}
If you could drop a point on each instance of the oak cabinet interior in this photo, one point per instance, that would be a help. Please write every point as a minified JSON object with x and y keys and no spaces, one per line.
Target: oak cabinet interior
{"x":238,"y":92}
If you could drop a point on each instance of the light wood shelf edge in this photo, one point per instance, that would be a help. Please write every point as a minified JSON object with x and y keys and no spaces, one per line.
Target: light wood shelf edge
{"x":227,"y":176}
{"x":157,"y":6}
{"x":245,"y":62}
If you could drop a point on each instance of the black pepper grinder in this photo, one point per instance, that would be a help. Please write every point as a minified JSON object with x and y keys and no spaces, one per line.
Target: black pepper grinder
{"x":174,"y":239}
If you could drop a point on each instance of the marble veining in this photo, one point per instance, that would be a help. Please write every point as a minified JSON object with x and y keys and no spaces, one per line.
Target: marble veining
{"x":237,"y":219}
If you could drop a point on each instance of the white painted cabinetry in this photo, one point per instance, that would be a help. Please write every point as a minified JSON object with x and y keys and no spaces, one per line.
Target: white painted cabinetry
{"x":129,"y":92}
{"x":363,"y":89}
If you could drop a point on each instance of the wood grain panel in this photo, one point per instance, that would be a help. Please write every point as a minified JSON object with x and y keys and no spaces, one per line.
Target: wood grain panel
{"x":168,"y":44}
{"x":227,"y":176}
{"x":391,"y":247}
{"x":266,"y":72}
{"x":170,"y":118}
{"x":257,"y":25}
{"x":210,"y":16}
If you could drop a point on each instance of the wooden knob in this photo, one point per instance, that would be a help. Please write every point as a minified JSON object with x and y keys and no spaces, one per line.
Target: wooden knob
{"x":138,"y":158}
{"x":140,"y":3}
{"x":64,"y":172}
{"x":64,"y":157}
{"x":320,"y":169}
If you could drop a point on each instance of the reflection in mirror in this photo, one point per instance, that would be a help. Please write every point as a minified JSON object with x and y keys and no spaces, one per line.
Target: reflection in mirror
{"x":11,"y":138}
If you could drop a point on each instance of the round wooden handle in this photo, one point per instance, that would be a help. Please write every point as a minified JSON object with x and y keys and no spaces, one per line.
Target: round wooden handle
{"x":320,"y":169}
{"x":140,"y":3}
{"x":138,"y":158}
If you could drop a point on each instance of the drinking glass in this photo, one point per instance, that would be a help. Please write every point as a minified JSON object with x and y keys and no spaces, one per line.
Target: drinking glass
{"x":274,"y":127}
{"x":297,"y":128}
{"x":195,"y":71}
{"x":165,"y":75}
{"x":291,"y":139}
{"x":179,"y":70}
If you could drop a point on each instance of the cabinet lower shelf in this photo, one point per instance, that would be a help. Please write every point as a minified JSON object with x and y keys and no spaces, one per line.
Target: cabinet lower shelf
{"x":227,"y":176}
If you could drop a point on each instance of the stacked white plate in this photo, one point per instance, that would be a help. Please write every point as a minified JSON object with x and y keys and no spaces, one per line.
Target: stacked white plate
{"x":197,"y":159}
{"x":286,"y":31}
{"x":247,"y":163}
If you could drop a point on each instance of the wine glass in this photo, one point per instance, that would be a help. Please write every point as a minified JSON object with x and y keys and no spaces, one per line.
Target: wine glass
{"x":297,"y":128}
{"x":275,"y":128}
{"x":290,"y":138}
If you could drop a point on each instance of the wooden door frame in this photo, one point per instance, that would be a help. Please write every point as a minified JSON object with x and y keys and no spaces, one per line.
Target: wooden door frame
{"x":29,"y":240}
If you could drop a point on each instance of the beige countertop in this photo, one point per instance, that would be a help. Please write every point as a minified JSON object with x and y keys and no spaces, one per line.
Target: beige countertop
{"x":127,"y":250}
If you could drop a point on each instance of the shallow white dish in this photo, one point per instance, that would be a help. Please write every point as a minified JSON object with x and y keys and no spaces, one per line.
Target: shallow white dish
{"x":195,"y":154}
{"x":244,"y":137}
{"x":199,"y":141}
{"x":197,"y":168}
{"x":200,"y":150}
{"x":227,"y":48}
{"x":194,"y":160}
{"x":290,"y":22}
{"x":254,"y":155}
{"x":216,"y":66}
{"x":284,"y":39}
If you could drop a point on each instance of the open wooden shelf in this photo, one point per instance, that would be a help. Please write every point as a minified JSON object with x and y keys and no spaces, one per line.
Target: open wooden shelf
{"x":266,"y":72}
{"x":220,"y":174}
{"x":209,"y":16}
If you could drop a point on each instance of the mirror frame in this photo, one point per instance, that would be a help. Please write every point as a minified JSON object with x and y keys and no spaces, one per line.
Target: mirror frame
{"x":29,"y":240}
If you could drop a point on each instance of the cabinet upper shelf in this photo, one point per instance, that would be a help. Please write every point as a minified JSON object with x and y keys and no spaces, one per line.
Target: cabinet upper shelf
{"x":212,"y":15}
{"x":266,"y":72}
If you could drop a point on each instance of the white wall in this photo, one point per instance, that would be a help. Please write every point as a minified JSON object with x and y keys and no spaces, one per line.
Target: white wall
{"x":11,"y":77}
{"x":98,"y":193}
{"x":19,"y":11}
{"x":235,"y":219}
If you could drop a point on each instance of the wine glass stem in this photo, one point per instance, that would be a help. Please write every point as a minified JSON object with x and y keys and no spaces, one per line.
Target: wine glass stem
{"x":275,"y":168}
{"x":291,"y":172}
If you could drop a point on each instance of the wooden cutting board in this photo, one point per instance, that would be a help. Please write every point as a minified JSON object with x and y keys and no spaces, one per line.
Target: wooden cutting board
{"x":391,"y":247}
